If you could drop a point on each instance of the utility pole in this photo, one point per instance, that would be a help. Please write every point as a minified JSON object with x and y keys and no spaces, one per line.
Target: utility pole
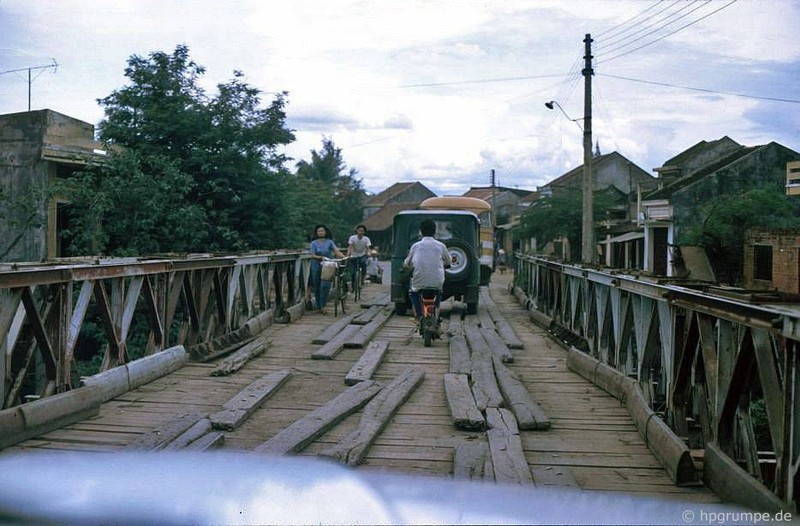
{"x":587,"y":225}
{"x":494,"y":218}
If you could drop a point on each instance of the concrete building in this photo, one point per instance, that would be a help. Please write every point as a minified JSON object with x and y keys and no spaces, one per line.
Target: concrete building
{"x":620,"y":240}
{"x":36,"y":149}
{"x":703,"y":172}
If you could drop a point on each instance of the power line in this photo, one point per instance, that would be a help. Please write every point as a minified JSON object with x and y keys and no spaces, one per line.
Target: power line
{"x":611,"y":29}
{"x":704,"y":90}
{"x":480,"y":81}
{"x":657,"y":29}
{"x":668,"y":34}
{"x":612,"y":41}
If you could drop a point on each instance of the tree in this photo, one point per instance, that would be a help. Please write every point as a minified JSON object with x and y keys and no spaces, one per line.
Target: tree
{"x":122,"y":208}
{"x":217,"y":155}
{"x":723,"y":221}
{"x":337,"y":193}
{"x":560,"y":214}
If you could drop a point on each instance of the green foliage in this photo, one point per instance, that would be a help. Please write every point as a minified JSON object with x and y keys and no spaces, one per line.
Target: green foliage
{"x":561,"y":214}
{"x":760,"y":423}
{"x":131,"y":205}
{"x":722,"y":222}
{"x":326,"y":193}
{"x":217,"y":157}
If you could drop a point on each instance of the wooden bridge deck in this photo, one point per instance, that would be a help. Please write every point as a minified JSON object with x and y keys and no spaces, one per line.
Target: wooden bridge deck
{"x":591,"y":433}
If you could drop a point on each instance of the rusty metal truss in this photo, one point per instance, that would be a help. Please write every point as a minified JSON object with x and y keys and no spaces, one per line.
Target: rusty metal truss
{"x":130,"y":308}
{"x":722,"y":370}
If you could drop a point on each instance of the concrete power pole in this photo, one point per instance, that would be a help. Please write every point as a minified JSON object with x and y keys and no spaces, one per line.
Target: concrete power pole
{"x":587,"y":225}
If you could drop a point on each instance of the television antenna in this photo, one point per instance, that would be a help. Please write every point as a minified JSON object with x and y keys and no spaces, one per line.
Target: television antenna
{"x":31,"y":78}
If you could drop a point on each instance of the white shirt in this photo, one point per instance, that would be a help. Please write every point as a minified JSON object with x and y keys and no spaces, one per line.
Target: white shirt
{"x":428,"y":257}
{"x":359,"y":247}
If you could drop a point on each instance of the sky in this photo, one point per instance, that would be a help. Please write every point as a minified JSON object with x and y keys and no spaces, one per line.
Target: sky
{"x":441,"y":91}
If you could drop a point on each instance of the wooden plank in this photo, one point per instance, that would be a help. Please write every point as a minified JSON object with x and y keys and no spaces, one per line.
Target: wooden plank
{"x":300,"y":434}
{"x":470,"y":461}
{"x":220,"y":346}
{"x":377,"y":413}
{"x":505,"y":447}
{"x":212,"y":440}
{"x":365,"y":334}
{"x":527,"y":412}
{"x":508,"y":335}
{"x":161,"y":436}
{"x":459,"y":354}
{"x":240,"y":407}
{"x":237,"y":360}
{"x":554,"y":476}
{"x":462,"y":406}
{"x":329,"y":350}
{"x":200,"y":428}
{"x":484,"y":318}
{"x":455,"y":326}
{"x":369,"y":362}
{"x":497,"y":345}
{"x":367,"y":316}
{"x":331,"y":331}
{"x":484,"y":383}
{"x":380,"y":300}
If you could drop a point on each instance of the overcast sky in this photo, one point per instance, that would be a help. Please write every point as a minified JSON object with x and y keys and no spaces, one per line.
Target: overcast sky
{"x":442,"y":91}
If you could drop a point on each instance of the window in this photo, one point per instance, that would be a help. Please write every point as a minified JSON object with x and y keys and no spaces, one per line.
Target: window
{"x":762,"y":262}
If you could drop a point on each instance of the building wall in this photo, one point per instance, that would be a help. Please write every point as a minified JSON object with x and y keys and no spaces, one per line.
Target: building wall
{"x":785,"y":245}
{"x":23,"y":176}
{"x":32,"y":145}
{"x":765,"y":167}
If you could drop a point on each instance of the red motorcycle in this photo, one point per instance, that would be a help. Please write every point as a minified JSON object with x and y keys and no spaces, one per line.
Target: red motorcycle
{"x":430,"y":323}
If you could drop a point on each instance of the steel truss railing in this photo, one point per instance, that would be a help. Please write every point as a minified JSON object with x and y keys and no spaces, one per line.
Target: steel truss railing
{"x":713,"y":364}
{"x":131,"y":308}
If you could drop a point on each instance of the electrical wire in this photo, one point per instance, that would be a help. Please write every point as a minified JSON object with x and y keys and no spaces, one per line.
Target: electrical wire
{"x":703,"y":90}
{"x":613,"y":41}
{"x":611,"y":29}
{"x":480,"y":81}
{"x":656,"y":30}
{"x":664,"y":23}
{"x":668,"y":34}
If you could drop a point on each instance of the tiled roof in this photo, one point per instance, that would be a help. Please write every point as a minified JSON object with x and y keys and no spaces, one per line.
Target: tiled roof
{"x":383,"y":218}
{"x":381,"y":198}
{"x":667,"y":191}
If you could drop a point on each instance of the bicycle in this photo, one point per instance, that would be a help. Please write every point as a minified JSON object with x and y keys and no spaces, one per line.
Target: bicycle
{"x":339,"y":287}
{"x":358,"y":278}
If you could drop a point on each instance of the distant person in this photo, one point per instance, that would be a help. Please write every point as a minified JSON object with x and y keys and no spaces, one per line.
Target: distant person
{"x":427,"y":258}
{"x":501,"y":260}
{"x":357,"y":250}
{"x":374,"y":270}
{"x":322,"y":246}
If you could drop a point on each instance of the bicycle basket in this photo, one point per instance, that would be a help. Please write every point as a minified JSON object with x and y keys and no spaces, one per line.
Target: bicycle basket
{"x":328,"y":270}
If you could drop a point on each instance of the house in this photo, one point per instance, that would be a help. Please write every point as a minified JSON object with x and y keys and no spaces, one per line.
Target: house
{"x":620,"y":241}
{"x":507,"y":205}
{"x":380,"y":209}
{"x":36,"y":149}
{"x":705,"y":171}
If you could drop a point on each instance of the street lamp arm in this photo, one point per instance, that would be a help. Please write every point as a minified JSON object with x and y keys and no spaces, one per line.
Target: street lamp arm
{"x":552,"y":105}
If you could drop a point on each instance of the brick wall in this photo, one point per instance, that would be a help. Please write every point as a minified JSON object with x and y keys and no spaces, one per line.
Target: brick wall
{"x":785,"y":246}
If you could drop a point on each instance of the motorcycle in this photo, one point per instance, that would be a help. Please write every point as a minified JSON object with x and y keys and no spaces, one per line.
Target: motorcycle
{"x":430,"y":323}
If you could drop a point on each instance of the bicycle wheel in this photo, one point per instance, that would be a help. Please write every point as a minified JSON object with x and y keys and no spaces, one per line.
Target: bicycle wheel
{"x":341,"y":293}
{"x":335,"y":294}
{"x":357,"y":285}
